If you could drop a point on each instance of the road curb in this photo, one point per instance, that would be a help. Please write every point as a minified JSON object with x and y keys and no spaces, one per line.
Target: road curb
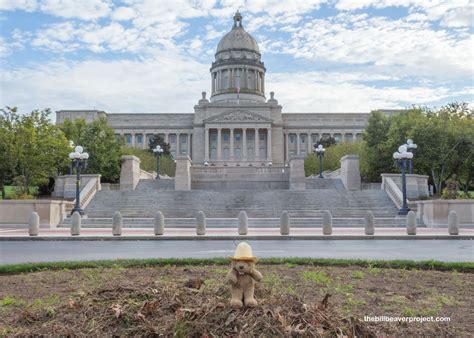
{"x":236,"y":237}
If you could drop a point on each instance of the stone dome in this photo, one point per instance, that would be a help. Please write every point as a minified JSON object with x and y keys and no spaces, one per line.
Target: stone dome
{"x":238,"y":38}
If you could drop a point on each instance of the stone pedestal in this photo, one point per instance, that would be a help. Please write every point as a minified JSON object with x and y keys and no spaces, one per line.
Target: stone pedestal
{"x":130,"y":172}
{"x":182,"y":180}
{"x":350,"y":172}
{"x":297,"y":178}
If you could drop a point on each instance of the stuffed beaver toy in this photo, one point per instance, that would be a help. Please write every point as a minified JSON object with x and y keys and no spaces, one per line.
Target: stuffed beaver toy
{"x":242,"y":277}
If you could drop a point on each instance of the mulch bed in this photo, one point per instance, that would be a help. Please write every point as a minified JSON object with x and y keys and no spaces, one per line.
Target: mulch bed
{"x":193,"y":301}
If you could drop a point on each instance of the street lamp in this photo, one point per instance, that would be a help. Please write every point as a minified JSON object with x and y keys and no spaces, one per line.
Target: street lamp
{"x":79,"y":161}
{"x":158,"y":151}
{"x":319,"y":150}
{"x":402,"y":155}
{"x":412,"y":149}
{"x":71,"y":145}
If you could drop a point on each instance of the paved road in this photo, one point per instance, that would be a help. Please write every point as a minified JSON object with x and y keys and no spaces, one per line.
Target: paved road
{"x":43,"y":251}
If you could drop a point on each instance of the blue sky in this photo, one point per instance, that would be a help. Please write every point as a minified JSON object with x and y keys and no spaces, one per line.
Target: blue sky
{"x":154,"y":55}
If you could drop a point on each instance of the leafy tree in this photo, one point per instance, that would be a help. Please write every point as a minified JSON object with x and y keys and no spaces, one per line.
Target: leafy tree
{"x":158,"y":140}
{"x":39,"y":147}
{"x":98,"y":139}
{"x":379,"y":158}
{"x":8,"y":151}
{"x":326,"y":141}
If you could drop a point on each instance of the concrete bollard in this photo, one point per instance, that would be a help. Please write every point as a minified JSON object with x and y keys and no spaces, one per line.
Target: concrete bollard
{"x":243,"y":223}
{"x":201,"y":223}
{"x":369,"y":223}
{"x":117,"y":224}
{"x":76,"y":221}
{"x":285,"y":223}
{"x":34,"y":224}
{"x":411,"y":223}
{"x":159,"y":223}
{"x":453,"y":224}
{"x":327,"y":222}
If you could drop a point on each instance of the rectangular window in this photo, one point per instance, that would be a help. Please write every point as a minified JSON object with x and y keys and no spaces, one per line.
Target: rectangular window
{"x":226,"y":153}
{"x":237,"y":153}
{"x":128,"y":138}
{"x":262,"y":137}
{"x":172,"y":139}
{"x":214,"y":137}
{"x":249,"y":137}
{"x":226,"y":136}
{"x":237,"y":136}
{"x":292,"y":139}
{"x":117,"y":138}
{"x":139,"y":139}
{"x":303,"y":139}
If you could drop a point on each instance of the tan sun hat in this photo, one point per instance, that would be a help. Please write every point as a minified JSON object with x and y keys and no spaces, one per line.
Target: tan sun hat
{"x":243,"y":252}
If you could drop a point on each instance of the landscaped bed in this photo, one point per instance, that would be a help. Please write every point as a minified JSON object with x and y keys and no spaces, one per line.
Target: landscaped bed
{"x":297,"y":297}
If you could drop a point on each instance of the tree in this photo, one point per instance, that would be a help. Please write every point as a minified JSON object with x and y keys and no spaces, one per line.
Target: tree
{"x":8,"y":152}
{"x":98,"y":139}
{"x":38,"y":147}
{"x":148,"y":160}
{"x":158,"y":140}
{"x":378,"y":156}
{"x":326,"y":141}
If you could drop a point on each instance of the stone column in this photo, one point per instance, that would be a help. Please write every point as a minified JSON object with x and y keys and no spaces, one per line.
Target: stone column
{"x":244,"y":144}
{"x":219,"y":143}
{"x":269,"y":144}
{"x":133,"y":139}
{"x":189,"y":144}
{"x":167,"y":138}
{"x":308,"y":141}
{"x":287,"y":150}
{"x":232,"y":143}
{"x":263,"y":83}
{"x":350,"y":172}
{"x":206,"y":145}
{"x":297,"y":143}
{"x":213,"y":83}
{"x":257,"y":149}
{"x":178,"y":144}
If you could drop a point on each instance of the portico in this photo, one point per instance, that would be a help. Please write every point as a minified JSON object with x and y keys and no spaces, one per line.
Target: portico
{"x":238,"y":144}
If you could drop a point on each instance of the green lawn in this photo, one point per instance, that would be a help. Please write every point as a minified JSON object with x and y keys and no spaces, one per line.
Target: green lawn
{"x":10,"y":191}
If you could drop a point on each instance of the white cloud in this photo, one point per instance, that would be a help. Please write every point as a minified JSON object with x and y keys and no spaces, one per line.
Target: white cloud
{"x":13,"y":5}
{"x":123,"y":14}
{"x":340,"y":92}
{"x":166,"y":83}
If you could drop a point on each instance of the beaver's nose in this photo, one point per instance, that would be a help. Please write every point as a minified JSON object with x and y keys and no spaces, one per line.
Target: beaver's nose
{"x":241,"y":267}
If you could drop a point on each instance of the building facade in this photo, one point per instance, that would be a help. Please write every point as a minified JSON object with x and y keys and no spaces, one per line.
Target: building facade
{"x":237,"y":125}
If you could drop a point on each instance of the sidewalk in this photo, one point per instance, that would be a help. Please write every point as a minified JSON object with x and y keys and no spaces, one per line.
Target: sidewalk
{"x":226,"y":233}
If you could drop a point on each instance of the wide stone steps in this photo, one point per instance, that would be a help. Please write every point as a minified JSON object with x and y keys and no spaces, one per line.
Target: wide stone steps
{"x":145,"y":201}
{"x":233,"y":222}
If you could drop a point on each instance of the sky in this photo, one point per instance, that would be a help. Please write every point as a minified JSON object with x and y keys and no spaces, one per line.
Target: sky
{"x":153,"y":56}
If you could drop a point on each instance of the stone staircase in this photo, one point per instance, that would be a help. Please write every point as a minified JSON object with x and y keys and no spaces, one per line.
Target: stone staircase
{"x":222,"y":207}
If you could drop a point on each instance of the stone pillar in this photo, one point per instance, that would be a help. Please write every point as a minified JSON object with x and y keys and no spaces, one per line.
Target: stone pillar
{"x":231,"y":144}
{"x":213,"y":83}
{"x":206,"y":145}
{"x":159,"y":223}
{"x":178,"y":144}
{"x":285,"y":223}
{"x":453,"y":223}
{"x":189,"y":144}
{"x":244,"y":144}
{"x":182,"y":180}
{"x":133,"y":139}
{"x":243,"y":223}
{"x":117,"y":224}
{"x":350,"y":173}
{"x":327,"y":222}
{"x":130,"y":172}
{"x":269,"y":144}
{"x":298,"y":143}
{"x":297,"y":178}
{"x":308,"y":143}
{"x":263,"y":83}
{"x":287,"y":149}
{"x":201,"y":223}
{"x":219,"y":143}
{"x":76,"y":224}
{"x":257,"y":148}
{"x":167,"y":138}
{"x":411,"y":223}
{"x":34,"y":224}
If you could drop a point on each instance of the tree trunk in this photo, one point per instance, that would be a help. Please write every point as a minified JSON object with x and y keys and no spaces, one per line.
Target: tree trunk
{"x":2,"y":186}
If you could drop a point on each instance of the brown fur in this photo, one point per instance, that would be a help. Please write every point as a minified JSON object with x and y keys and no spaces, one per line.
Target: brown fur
{"x":242,"y":278}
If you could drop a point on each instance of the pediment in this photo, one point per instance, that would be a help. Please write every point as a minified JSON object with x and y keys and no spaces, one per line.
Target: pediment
{"x":238,"y":116}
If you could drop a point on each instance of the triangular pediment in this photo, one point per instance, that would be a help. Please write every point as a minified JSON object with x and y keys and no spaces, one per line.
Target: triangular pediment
{"x":238,"y":115}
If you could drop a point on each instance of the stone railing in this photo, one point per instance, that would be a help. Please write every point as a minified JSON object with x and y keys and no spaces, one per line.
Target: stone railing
{"x":393,"y":191}
{"x":417,"y":185}
{"x":89,"y":191}
{"x":17,"y":212}
{"x":65,"y":186}
{"x":434,"y":213}
{"x":333,"y":174}
{"x":145,"y":175}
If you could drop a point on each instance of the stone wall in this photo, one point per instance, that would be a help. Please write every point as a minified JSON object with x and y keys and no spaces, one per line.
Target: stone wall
{"x":17,"y":212}
{"x":417,"y":185}
{"x":350,"y":172}
{"x":65,"y":186}
{"x":130,"y":172}
{"x":434,"y":213}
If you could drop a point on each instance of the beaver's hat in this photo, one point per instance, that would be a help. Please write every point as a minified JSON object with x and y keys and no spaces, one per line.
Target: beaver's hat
{"x":243,"y":252}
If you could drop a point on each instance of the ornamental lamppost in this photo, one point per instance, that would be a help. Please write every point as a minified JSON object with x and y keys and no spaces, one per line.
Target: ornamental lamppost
{"x":402,"y":155}
{"x":158,"y":151}
{"x":79,"y":161}
{"x":319,"y":150}
{"x":412,"y":149}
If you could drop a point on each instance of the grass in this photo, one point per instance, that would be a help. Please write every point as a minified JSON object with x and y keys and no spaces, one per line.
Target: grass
{"x":10,"y":192}
{"x":373,"y":265}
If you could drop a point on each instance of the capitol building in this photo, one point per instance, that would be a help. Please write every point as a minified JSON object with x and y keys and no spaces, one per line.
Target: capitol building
{"x":238,"y":125}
